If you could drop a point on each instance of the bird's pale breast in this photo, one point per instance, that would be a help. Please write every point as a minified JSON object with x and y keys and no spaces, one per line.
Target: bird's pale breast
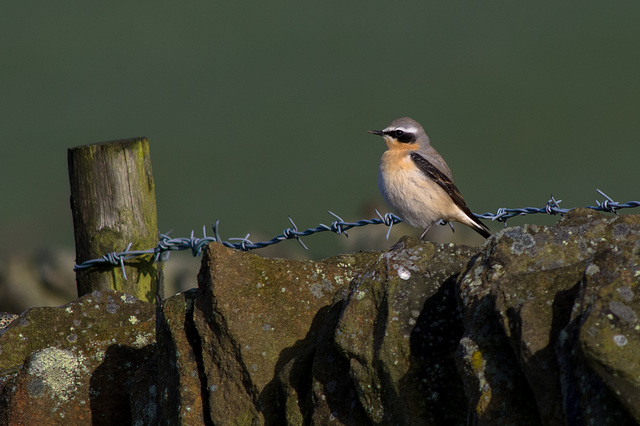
{"x":411,"y":194}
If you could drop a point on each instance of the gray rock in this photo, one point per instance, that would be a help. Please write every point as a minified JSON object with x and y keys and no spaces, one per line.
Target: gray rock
{"x":526,"y":298}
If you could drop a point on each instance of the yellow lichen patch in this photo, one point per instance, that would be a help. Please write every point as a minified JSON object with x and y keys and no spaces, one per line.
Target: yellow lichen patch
{"x":478,"y":363}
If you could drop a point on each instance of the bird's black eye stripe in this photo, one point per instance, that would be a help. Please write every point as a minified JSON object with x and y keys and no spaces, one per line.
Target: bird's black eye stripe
{"x":402,"y":136}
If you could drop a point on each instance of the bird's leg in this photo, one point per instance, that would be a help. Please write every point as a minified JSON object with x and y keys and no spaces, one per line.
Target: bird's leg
{"x":425,"y":232}
{"x":452,"y":228}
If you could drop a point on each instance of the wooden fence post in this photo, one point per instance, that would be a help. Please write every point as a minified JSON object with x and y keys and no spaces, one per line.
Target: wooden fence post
{"x":113,"y":203}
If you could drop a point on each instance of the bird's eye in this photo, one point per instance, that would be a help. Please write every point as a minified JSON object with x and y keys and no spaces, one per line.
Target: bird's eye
{"x":404,"y":137}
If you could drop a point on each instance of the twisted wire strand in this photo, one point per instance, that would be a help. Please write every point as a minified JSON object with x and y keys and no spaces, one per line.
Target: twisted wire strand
{"x":167,"y":244}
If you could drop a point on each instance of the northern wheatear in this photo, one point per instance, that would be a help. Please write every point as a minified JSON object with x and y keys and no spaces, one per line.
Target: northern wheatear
{"x":416,"y":182}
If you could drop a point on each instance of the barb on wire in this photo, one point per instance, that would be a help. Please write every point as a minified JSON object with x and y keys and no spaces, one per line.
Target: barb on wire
{"x":502,"y":214}
{"x":166,"y":244}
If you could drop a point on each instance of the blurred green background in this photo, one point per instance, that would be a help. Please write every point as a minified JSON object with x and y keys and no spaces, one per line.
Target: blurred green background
{"x":259,"y":110}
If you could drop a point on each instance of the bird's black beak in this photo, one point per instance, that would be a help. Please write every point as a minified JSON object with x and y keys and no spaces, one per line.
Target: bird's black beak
{"x":376,"y":132}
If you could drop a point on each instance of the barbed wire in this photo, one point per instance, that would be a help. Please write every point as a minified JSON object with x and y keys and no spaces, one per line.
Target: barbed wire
{"x":553,"y":208}
{"x":167,"y":244}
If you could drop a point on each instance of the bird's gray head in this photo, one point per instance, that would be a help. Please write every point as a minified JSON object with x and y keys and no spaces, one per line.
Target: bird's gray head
{"x":403,"y":130}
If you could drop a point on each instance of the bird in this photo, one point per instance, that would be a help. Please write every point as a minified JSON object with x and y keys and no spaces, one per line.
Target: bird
{"x":416,"y":182}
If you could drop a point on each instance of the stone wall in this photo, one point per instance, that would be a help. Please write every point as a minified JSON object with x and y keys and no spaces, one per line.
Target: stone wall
{"x":538,"y":326}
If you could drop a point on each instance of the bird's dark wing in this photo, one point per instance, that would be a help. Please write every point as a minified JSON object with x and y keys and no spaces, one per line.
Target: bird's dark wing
{"x":449,"y":187}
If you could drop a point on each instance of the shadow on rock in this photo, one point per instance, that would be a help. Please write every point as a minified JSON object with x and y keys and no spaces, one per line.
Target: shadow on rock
{"x":111,"y":382}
